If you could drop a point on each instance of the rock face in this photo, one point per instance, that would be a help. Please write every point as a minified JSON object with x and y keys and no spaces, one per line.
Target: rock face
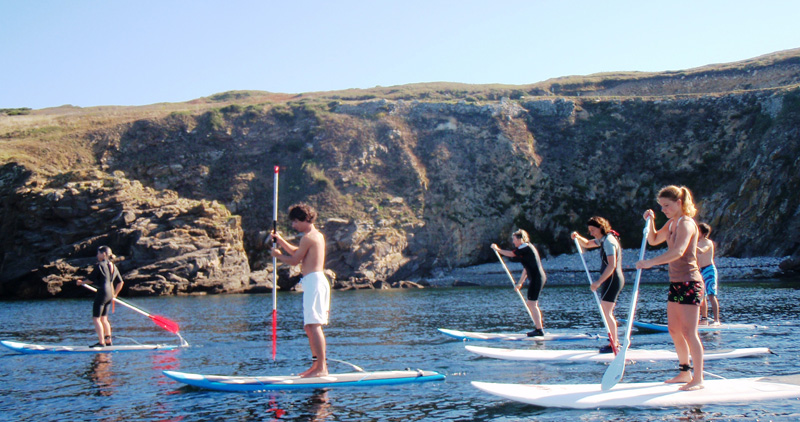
{"x":165,"y":244}
{"x":406,"y":188}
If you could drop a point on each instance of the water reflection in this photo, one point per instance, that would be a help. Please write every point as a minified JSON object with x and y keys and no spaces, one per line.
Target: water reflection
{"x":100,"y":372}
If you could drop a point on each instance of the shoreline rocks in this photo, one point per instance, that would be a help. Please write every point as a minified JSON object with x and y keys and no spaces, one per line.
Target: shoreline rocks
{"x":567,"y":269}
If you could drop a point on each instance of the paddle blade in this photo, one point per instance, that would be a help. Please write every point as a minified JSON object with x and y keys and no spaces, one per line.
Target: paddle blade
{"x":165,"y":323}
{"x":274,"y":332}
{"x":615,"y":370}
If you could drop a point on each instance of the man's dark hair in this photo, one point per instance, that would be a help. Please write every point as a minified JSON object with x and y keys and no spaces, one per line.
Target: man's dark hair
{"x":302,"y":212}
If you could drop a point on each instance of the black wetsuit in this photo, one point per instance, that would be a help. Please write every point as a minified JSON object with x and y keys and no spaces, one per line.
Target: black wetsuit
{"x":529,"y":257}
{"x":103,"y":277}
{"x":610,"y":289}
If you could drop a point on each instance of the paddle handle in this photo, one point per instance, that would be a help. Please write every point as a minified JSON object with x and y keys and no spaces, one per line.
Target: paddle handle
{"x":511,"y":278}
{"x":120,"y":301}
{"x":275,"y":265}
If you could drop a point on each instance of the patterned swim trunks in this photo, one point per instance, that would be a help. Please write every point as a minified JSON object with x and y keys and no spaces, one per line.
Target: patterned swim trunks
{"x":686,"y":293}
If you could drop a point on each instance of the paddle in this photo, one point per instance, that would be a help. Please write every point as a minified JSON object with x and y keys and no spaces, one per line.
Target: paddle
{"x":617,"y":367}
{"x":596,"y":299}
{"x":275,"y":267}
{"x":510,"y":277}
{"x":161,"y":321}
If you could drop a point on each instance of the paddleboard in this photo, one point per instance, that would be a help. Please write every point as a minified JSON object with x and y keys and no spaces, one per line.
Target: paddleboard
{"x":663,"y":328}
{"x":647,"y":394}
{"x":261,"y":383}
{"x":595,"y":356}
{"x":52,"y":349}
{"x":468,"y":335}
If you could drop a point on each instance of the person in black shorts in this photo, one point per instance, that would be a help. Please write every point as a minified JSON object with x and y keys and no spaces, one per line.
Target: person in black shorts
{"x":527,"y":254}
{"x":611,"y":278}
{"x":108,"y":282}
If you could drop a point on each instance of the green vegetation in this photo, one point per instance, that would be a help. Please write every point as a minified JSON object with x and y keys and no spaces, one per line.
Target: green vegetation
{"x":15,"y":111}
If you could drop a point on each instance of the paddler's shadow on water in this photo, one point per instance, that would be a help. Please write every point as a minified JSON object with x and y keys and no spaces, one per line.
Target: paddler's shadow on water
{"x":101,"y":374}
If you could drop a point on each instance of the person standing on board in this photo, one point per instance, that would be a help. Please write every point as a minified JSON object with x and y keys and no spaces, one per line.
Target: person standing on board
{"x":104,"y":276}
{"x":611,"y":278}
{"x":705,"y":260}
{"x":310,"y":253}
{"x":686,"y":284}
{"x":527,"y":254}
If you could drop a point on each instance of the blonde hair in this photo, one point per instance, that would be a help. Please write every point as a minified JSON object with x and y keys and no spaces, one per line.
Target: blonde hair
{"x":682,"y":193}
{"x":521,"y":235}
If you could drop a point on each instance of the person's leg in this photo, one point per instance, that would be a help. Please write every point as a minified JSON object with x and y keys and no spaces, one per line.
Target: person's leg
{"x":688,"y":315}
{"x":608,"y":314}
{"x":106,"y":330}
{"x":536,"y":313}
{"x":714,"y":307}
{"x":674,"y":324}
{"x":98,"y":328}
{"x":316,"y":340}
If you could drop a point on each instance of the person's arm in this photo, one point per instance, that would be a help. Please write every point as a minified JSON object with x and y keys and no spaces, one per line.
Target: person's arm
{"x":293,"y":255}
{"x":282,"y":243}
{"x":682,"y":240}
{"x":118,"y":276}
{"x":522,"y":279}
{"x":585,"y":243}
{"x":509,"y":254}
{"x":655,"y":237}
{"x":612,"y":265}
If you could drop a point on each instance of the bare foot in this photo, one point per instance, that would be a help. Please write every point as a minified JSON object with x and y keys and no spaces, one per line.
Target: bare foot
{"x":692,"y":386}
{"x":314,"y":374}
{"x":314,"y":371}
{"x":680,"y":378}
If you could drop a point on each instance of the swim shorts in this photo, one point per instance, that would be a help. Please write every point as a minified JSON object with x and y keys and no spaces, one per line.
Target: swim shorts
{"x":709,"y":274}
{"x":610,"y":289}
{"x":686,"y":292}
{"x":316,"y":298}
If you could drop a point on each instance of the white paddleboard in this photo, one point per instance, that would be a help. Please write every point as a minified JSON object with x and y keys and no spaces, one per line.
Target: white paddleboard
{"x":54,"y":349}
{"x":647,"y":394}
{"x":264,"y":383}
{"x":595,"y":356}
{"x":469,"y":335}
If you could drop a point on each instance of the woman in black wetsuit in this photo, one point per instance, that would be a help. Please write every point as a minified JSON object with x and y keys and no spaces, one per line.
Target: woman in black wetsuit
{"x":527,"y":254}
{"x":108,"y":282}
{"x":611,"y":278}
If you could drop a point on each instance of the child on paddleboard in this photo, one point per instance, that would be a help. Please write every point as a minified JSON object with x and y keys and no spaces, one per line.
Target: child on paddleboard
{"x":686,"y":284}
{"x":611,"y":279}
{"x":527,"y":254}
{"x":310,"y":253}
{"x":104,"y":277}
{"x":705,"y":260}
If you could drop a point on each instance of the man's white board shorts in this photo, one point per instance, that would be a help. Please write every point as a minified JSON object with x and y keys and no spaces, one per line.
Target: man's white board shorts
{"x":316,"y":298}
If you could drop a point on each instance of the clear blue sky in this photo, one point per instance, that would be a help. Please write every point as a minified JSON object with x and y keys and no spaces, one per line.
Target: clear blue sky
{"x":101,"y":52}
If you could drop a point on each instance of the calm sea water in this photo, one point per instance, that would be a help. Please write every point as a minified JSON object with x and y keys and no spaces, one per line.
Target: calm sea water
{"x":377,"y":330}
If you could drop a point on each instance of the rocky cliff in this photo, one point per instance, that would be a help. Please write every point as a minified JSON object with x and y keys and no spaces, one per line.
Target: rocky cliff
{"x":408,"y":186}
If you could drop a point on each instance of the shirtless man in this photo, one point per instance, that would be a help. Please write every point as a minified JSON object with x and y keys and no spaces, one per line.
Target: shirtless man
{"x":705,"y":260}
{"x":310,"y":253}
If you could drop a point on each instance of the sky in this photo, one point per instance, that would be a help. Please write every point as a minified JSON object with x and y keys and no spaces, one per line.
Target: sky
{"x":99,"y":52}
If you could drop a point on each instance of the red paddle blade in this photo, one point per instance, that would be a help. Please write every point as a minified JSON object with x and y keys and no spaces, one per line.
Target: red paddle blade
{"x":274,"y":332}
{"x":166,"y":323}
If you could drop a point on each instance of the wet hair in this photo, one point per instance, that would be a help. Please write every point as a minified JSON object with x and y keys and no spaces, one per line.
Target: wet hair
{"x":682,"y":193}
{"x":601,"y":223}
{"x":302,"y":212}
{"x":106,"y":250}
{"x":705,"y":229}
{"x":521,"y":235}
